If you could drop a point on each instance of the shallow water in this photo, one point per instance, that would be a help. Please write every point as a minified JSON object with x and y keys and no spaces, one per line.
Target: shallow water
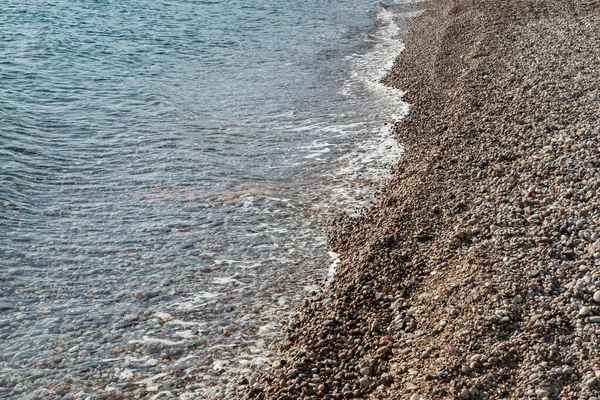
{"x":165,"y":167}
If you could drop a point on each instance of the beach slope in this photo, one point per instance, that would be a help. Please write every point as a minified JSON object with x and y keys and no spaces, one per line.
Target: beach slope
{"x":477,"y":274}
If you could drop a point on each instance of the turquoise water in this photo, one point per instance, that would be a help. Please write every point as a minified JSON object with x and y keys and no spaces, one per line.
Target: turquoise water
{"x":164,"y":170}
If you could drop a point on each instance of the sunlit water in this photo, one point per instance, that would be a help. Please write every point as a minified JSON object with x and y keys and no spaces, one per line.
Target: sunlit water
{"x":165,"y":168}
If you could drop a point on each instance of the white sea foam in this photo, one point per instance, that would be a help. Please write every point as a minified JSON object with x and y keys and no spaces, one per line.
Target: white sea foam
{"x":187,"y":334}
{"x":333,"y":264}
{"x":372,"y":158}
{"x":164,"y":342}
{"x":184,"y":359}
{"x":186,"y":323}
{"x":192,"y":304}
{"x":219,"y":365}
{"x":126,"y":374}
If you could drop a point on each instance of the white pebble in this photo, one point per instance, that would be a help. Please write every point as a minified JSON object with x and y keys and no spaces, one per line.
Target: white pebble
{"x":583,"y":311}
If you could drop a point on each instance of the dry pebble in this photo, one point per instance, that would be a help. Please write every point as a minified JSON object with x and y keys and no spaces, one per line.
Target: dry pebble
{"x":476,"y":273}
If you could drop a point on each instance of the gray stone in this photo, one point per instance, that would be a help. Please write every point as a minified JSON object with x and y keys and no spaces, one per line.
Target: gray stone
{"x":364,"y":382}
{"x":375,"y":326}
{"x":387,"y":379}
{"x":518,"y":299}
{"x":542,"y":392}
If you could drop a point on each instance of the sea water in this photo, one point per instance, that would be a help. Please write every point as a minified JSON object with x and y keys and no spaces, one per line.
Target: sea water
{"x":165,"y":170}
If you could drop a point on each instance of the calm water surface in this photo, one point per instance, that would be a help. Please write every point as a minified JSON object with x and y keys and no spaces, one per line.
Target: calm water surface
{"x":164,"y":170}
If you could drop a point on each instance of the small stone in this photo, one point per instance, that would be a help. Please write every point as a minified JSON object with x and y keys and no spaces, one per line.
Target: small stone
{"x":583,"y":311}
{"x":383,"y":350}
{"x":366,"y":371}
{"x":62,"y":389}
{"x":387,"y":379}
{"x":364,"y":382}
{"x":595,"y":319}
{"x":477,"y":357}
{"x":349,"y":376}
{"x":464,"y":394}
{"x":597,"y":296}
{"x":591,"y":382}
{"x":568,"y":370}
{"x":277,"y":364}
{"x":518,"y":299}
{"x":542,"y":392}
{"x":415,"y":397}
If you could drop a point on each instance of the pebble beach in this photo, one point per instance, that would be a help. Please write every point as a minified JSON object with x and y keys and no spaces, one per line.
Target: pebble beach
{"x":476,"y":273}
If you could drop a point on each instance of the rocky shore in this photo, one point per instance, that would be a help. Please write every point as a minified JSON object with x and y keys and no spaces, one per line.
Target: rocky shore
{"x":477,"y":274}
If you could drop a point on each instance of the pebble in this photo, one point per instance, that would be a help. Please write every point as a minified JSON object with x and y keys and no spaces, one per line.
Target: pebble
{"x":597,"y":296}
{"x":583,"y":311}
{"x":387,"y":379}
{"x":591,"y":382}
{"x":518,"y":299}
{"x":542,"y":392}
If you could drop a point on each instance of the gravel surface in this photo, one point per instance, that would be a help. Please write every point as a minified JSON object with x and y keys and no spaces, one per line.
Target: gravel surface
{"x":477,"y":273}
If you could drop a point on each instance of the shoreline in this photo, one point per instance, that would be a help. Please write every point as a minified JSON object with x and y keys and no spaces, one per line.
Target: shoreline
{"x":477,"y":274}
